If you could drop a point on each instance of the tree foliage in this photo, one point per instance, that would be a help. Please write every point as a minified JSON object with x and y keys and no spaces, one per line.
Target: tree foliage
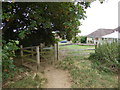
{"x":21,"y":20}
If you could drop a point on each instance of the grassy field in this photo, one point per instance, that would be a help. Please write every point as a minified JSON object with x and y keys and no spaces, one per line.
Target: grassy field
{"x":77,"y":47}
{"x":82,"y":70}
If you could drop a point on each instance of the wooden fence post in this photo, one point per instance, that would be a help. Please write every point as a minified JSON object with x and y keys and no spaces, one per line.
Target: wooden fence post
{"x":41,"y":45}
{"x":54,"y":53}
{"x":96,"y":45}
{"x":38,"y":58}
{"x":21,"y":52}
{"x":57,"y":51}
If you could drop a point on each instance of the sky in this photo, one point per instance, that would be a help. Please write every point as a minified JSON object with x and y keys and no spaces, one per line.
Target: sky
{"x":100,"y":16}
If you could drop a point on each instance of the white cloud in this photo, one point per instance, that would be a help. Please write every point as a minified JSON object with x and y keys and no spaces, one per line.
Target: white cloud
{"x":100,"y":16}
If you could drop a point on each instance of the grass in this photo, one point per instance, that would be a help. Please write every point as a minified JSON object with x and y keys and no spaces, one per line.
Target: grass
{"x":24,"y":79}
{"x":77,"y":47}
{"x":83,"y":74}
{"x":28,"y":82}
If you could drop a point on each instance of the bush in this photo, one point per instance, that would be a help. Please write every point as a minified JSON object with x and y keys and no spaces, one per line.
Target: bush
{"x":106,"y":55}
{"x":76,"y":40}
{"x":83,"y":39}
{"x":7,"y":58}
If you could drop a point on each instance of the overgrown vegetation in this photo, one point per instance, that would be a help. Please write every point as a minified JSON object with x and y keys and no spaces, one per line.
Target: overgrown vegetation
{"x":85,"y":76}
{"x":8,"y":53}
{"x":106,"y":57}
{"x":83,"y":72}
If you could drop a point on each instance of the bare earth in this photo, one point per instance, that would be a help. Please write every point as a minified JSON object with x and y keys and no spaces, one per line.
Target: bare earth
{"x":56,"y":78}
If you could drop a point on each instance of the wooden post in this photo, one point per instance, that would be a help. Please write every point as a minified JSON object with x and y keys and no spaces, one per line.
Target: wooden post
{"x":54,"y":53}
{"x":57,"y":51}
{"x":38,"y":58}
{"x":41,"y":45}
{"x":21,"y":52}
{"x":96,"y":47}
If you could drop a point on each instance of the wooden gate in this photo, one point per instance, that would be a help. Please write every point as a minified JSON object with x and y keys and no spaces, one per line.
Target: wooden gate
{"x":38,"y":54}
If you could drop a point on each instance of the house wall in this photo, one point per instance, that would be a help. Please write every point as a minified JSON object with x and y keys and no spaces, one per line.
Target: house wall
{"x":100,"y":40}
{"x":109,"y":40}
{"x":105,"y":40}
{"x":89,"y":40}
{"x":94,"y":40}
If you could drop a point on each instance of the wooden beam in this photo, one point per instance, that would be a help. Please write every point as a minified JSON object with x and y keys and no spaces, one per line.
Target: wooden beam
{"x":29,"y":47}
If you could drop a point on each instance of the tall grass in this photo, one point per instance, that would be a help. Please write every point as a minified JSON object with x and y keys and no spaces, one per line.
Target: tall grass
{"x":84,"y":76}
{"x":85,"y":73}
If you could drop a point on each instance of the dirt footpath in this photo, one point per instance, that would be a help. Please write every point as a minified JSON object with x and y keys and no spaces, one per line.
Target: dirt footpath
{"x":56,"y":78}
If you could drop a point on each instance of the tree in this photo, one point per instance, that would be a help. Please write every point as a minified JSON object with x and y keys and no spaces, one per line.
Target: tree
{"x":26,"y":19}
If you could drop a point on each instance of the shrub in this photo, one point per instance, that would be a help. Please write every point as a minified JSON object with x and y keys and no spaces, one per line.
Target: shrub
{"x":7,"y":58}
{"x":76,"y":40}
{"x":106,"y":55}
{"x":83,"y":39}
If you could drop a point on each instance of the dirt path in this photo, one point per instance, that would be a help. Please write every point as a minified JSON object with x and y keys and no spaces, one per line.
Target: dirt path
{"x":56,"y":78}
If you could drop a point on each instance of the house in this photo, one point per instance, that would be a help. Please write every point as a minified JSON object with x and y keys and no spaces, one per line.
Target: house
{"x":102,"y":35}
{"x":96,"y":36}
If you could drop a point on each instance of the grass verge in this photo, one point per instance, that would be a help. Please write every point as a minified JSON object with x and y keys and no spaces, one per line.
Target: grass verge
{"x":28,"y":82}
{"x":84,"y":73}
{"x":25,"y":78}
{"x":84,"y":76}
